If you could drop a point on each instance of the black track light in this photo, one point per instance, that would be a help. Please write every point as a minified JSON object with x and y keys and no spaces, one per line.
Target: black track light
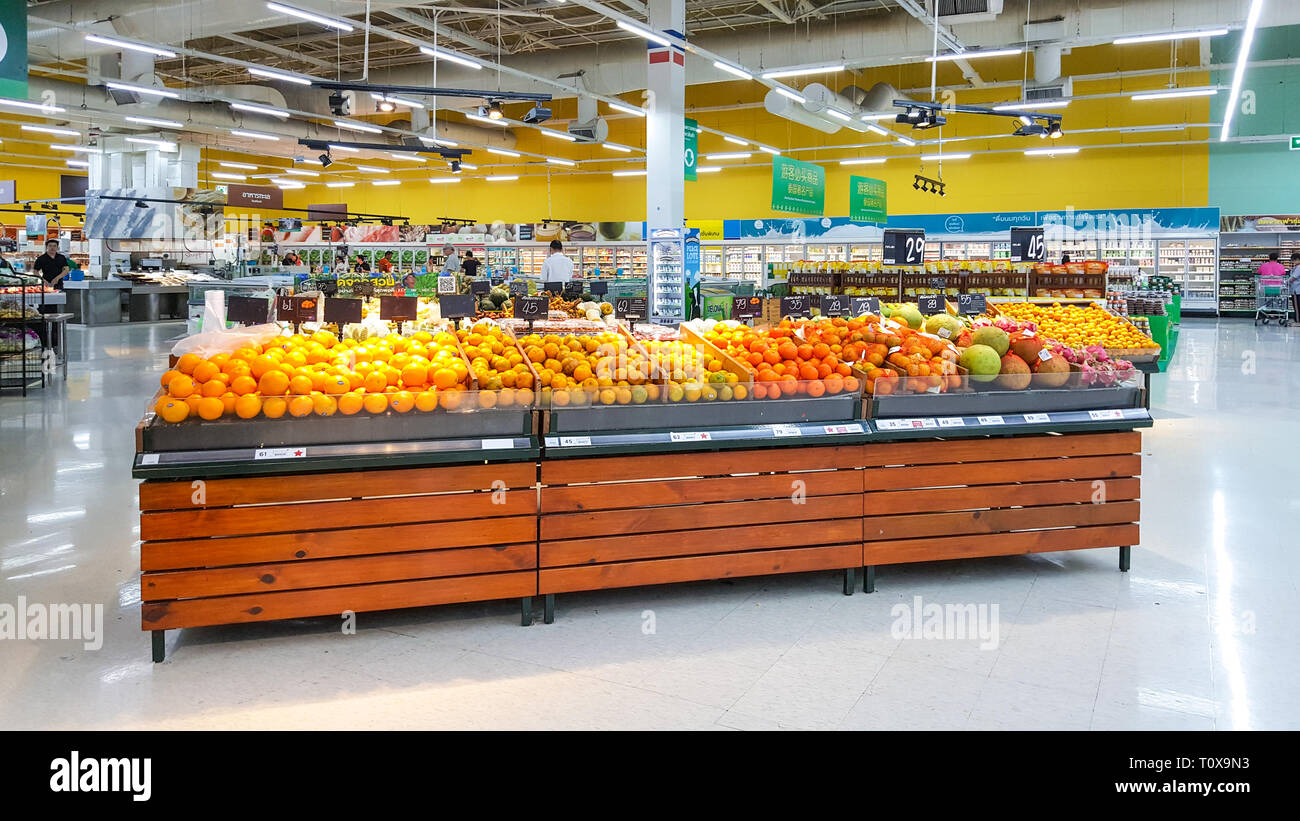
{"x":916,"y":184}
{"x":325,"y":160}
{"x":1054,"y":130}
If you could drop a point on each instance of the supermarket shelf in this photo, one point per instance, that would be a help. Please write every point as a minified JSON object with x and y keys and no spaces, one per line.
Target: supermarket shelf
{"x":721,"y":438}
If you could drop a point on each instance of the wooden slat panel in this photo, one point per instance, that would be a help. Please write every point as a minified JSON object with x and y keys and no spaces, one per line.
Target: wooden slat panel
{"x":427,"y":564}
{"x":665,"y":465}
{"x":989,"y":473}
{"x":999,"y":449}
{"x":982,"y":496}
{"x":696,"y":568}
{"x":235,"y":521}
{"x":329,"y":601}
{"x":322,"y":544}
{"x":998,"y":544}
{"x":172,"y":495}
{"x":684,"y":517}
{"x":997,"y":521}
{"x":691,"y":542}
{"x":694,"y":491}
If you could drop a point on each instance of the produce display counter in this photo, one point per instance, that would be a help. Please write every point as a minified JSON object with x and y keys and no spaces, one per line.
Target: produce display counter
{"x":95,"y":301}
{"x":150,"y":303}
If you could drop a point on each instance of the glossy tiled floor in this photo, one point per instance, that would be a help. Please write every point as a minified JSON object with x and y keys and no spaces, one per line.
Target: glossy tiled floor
{"x":1199,"y":635}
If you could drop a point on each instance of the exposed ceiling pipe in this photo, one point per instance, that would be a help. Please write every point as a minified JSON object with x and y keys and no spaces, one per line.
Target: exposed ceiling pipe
{"x":777,"y":10}
{"x":822,"y":100}
{"x":1047,"y":63}
{"x":783,"y":106}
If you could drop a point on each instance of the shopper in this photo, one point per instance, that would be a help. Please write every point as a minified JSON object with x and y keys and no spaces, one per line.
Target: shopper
{"x":470,"y":265}
{"x":53,"y":266}
{"x":361,"y":266}
{"x":1295,"y":285}
{"x":385,"y":264}
{"x":291,"y":258}
{"x":4,"y":264}
{"x":450,"y":261}
{"x":1272,"y":268}
{"x":558,"y":267}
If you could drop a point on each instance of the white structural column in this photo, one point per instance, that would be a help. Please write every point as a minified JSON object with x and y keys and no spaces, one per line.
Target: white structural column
{"x":665,"y":187}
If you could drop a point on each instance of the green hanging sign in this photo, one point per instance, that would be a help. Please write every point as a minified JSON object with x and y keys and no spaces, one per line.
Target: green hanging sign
{"x":691,"y":155}
{"x":13,"y":49}
{"x":867,"y":200}
{"x":798,"y":187}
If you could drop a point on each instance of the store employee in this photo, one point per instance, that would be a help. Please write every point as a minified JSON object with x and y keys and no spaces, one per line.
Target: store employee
{"x":51,"y":265}
{"x":558,"y":267}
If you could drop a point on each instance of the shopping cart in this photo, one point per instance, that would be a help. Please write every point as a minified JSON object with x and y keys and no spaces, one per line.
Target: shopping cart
{"x":1272,"y":302}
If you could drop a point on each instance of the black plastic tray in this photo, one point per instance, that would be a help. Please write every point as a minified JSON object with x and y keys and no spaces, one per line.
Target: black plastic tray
{"x":701,"y":414}
{"x":982,"y":403}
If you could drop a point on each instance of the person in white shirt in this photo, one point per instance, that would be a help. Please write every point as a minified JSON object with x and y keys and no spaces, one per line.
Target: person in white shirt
{"x":558,"y":267}
{"x":450,"y":261}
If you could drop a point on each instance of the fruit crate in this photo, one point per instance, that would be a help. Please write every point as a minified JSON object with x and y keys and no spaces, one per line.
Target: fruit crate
{"x":880,"y":284}
{"x":975,"y":398}
{"x":999,"y":284}
{"x":914,"y":285}
{"x":825,"y":281}
{"x":1068,"y":286}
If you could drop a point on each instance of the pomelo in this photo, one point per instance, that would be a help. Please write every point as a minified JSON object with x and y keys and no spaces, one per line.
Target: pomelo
{"x":992,"y":336}
{"x":982,"y":361}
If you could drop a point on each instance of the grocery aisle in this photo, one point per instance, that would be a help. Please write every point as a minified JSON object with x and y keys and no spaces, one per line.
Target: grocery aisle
{"x":1196,"y":636}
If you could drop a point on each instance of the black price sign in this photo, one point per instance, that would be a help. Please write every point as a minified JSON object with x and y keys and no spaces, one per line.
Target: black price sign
{"x":930,"y":305}
{"x":572,"y":290}
{"x":497,"y":280}
{"x":630,"y":307}
{"x":865,"y":305}
{"x":295,"y":309}
{"x":519,"y":287}
{"x":479,"y":286}
{"x":598,"y":287}
{"x":553,"y":287}
{"x":247,"y":310}
{"x":363,"y":289}
{"x":398,"y":308}
{"x":904,"y":247}
{"x":328,"y":287}
{"x":1027,"y":245}
{"x":746,"y":307}
{"x":455,"y":306}
{"x":799,"y":305}
{"x":531,"y":308}
{"x":938,"y":283}
{"x":972,"y":304}
{"x":834,"y":305}
{"x":342,"y":311}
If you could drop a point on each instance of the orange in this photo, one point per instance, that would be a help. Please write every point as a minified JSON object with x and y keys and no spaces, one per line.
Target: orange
{"x":193,"y":401}
{"x":210,"y":408}
{"x":167,"y":377}
{"x":444,"y":378}
{"x":274,"y":383}
{"x":205,"y":371}
{"x":350,"y":403}
{"x":487,"y":399}
{"x":375,"y":382}
{"x":187,"y":363}
{"x":301,"y":406}
{"x":426,"y":401}
{"x":214,"y":387}
{"x":181,"y":387}
{"x":375,"y":402}
{"x":248,"y":406}
{"x":523,"y":396}
{"x":300,"y":385}
{"x":323,"y":405}
{"x":172,"y":410}
{"x":414,"y":376}
{"x":228,"y":401}
{"x":450,"y":400}
{"x":274,"y":407}
{"x":402,"y":401}
{"x":243,"y":385}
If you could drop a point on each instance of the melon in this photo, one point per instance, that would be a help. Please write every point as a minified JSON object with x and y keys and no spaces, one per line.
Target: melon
{"x":1015,"y":375}
{"x":992,"y":336}
{"x":982,"y":361}
{"x":1052,"y":372}
{"x":1027,"y":348}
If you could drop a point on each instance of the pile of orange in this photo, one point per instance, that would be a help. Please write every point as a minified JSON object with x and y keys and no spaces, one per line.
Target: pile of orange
{"x":692,"y":373}
{"x":589,"y":369}
{"x":319,"y":375}
{"x":1079,"y":326}
{"x":797,"y":357}
{"x":504,"y":378}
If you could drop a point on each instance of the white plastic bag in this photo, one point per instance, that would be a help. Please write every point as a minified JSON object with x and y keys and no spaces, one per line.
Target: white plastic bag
{"x":215,"y":338}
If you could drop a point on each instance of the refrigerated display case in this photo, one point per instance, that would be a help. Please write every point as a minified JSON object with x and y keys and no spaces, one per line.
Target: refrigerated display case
{"x":861,"y":253}
{"x":502,"y":261}
{"x":711,"y":260}
{"x":1240,"y":255}
{"x":826,"y":253}
{"x":667,"y":276}
{"x":1191,"y":265}
{"x":744,"y":262}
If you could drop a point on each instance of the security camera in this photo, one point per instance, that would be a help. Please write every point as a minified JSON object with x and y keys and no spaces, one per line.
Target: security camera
{"x":325,"y":161}
{"x":537,"y":114}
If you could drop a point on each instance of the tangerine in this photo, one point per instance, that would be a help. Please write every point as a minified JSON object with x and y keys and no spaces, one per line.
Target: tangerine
{"x":211,"y":408}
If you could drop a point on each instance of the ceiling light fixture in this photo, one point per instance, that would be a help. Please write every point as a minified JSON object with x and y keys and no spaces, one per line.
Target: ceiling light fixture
{"x":438,"y":141}
{"x":78,"y":164}
{"x":839,"y":115}
{"x":268,"y":74}
{"x":971,"y":55}
{"x":646,"y":33}
{"x":386,"y":182}
{"x":1030,"y":105}
{"x":226,"y":175}
{"x":441,"y":180}
{"x":161,"y":145}
{"x":348,"y":148}
{"x":864,"y":161}
{"x":1239,"y":71}
{"x":559,"y":135}
{"x":367,"y":129}
{"x":795,"y":72}
{"x":45,"y":109}
{"x":301,"y":172}
{"x":906,"y":141}
{"x":503,"y":152}
{"x":150,"y":90}
{"x":942,"y":157}
{"x":771,"y":151}
{"x":489,"y":121}
{"x":558,"y":161}
{"x":1175,"y":93}
{"x":707,"y":169}
{"x":46,"y":129}
{"x":339,"y":184}
{"x":1050,"y":152}
{"x":627,"y":109}
{"x":785,"y":92}
{"x":1168,"y":35}
{"x":328,"y":22}
{"x":870,"y":117}
{"x":252,"y":108}
{"x":622,"y":149}
{"x":392,"y":101}
{"x":370,"y":169}
{"x":640,"y":173}
{"x":241,"y":165}
{"x":155,"y":122}
{"x":875,"y":129}
{"x":494,"y":111}
{"x":283,"y":183}
{"x":84,"y":149}
{"x":502,"y":178}
{"x":253,"y":135}
{"x":109,"y":41}
{"x":730,"y":69}
{"x":735,"y":140}
{"x":451,"y":57}
{"x":410,"y":157}
{"x":730,"y":155}
{"x":466,"y":166}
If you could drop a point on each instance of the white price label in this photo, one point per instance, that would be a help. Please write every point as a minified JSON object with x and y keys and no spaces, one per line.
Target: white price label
{"x":279,"y":453}
{"x":854,"y":428}
{"x":1044,"y":354}
{"x":990,"y":420}
{"x":575,"y":441}
{"x":892,"y":424}
{"x":945,"y":333}
{"x":1106,"y":414}
{"x":896,"y":349}
{"x":498,"y":444}
{"x":786,"y":430}
{"x":552,"y":442}
{"x":1034,"y":418}
{"x":952,"y":422}
{"x":933,"y":389}
{"x":690,"y":436}
{"x":1027,"y":334}
{"x":149,"y":459}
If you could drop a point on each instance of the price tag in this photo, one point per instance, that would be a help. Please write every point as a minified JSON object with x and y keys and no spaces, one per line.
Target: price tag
{"x":1044,"y":355}
{"x":1037,"y":418}
{"x":518,"y":287}
{"x":531,"y":307}
{"x":630,"y":307}
{"x":446,"y":285}
{"x":1027,"y":245}
{"x":904,"y":247}
{"x":279,"y":453}
{"x":1105,"y":414}
{"x":598,"y":287}
{"x":860,"y":305}
{"x":497,"y":280}
{"x":553,"y":287}
{"x":893,"y":424}
{"x":479,"y":286}
{"x":972,"y":304}
{"x":498,"y":444}
{"x":328,"y":287}
{"x":398,"y":308}
{"x":342,"y":311}
{"x":746,"y":307}
{"x":990,"y":420}
{"x":247,"y":310}
{"x":929,"y":305}
{"x":148,"y":458}
{"x":691,"y":436}
{"x":363,"y":289}
{"x":455,"y":306}
{"x":952,"y":422}
{"x":1028,"y":334}
{"x":944,"y":333}
{"x":295,"y":308}
{"x":799,"y":305}
{"x":939,"y":283}
{"x":834,"y":305}
{"x":575,"y":441}
{"x":839,"y":429}
{"x":786,"y":430}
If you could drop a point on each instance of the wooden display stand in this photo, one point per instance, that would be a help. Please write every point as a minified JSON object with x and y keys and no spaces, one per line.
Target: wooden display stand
{"x":224,"y":551}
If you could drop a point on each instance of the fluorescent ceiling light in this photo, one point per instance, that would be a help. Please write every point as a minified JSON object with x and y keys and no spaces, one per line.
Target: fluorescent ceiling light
{"x":84,"y":149}
{"x":1136,"y":129}
{"x":1175,"y":93}
{"x":288,"y":184}
{"x":439,"y":141}
{"x":156,"y":122}
{"x":78,"y":164}
{"x":1239,"y":72}
{"x":616,"y":147}
{"x":869,"y":117}
{"x":730,"y":69}
{"x":307,"y":15}
{"x":109,"y":41}
{"x":451,"y":57}
{"x":771,"y":151}
{"x":155,"y":92}
{"x":627,"y":109}
{"x":795,"y":72}
{"x":1168,"y":35}
{"x":502,"y":178}
{"x":875,"y":129}
{"x":1031,"y":105}
{"x":730,"y":155}
{"x":370,"y":169}
{"x":1048,"y":152}
{"x":468,"y":167}
{"x":368,"y":129}
{"x":476,"y":118}
{"x":942,"y":157}
{"x":408,"y":157}
{"x":50,"y":109}
{"x":864,"y":161}
{"x":837,"y":114}
{"x":785,"y":92}
{"x":162,"y":145}
{"x":396,"y":100}
{"x":253,"y":135}
{"x":46,"y":129}
{"x":971,"y":55}
{"x":559,"y":135}
{"x":1025,"y":119}
{"x":225,"y":175}
{"x":242,"y":165}
{"x":442,"y":180}
{"x":646,"y":33}
{"x":261,"y":109}
{"x":735,"y":140}
{"x":503,"y":152}
{"x":278,"y":75}
{"x":707,"y":169}
{"x":386,"y":182}
{"x":348,"y":148}
{"x":906,"y":141}
{"x":339,"y":184}
{"x":301,"y":172}
{"x":640,"y":173}
{"x":558,"y":161}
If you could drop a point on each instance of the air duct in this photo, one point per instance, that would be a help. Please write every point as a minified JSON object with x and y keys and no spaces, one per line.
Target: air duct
{"x":878,"y":100}
{"x":783,"y":106}
{"x":1047,"y":63}
{"x":822,"y":100}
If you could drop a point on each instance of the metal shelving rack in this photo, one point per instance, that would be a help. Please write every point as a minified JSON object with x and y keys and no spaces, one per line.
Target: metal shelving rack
{"x":23,"y":368}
